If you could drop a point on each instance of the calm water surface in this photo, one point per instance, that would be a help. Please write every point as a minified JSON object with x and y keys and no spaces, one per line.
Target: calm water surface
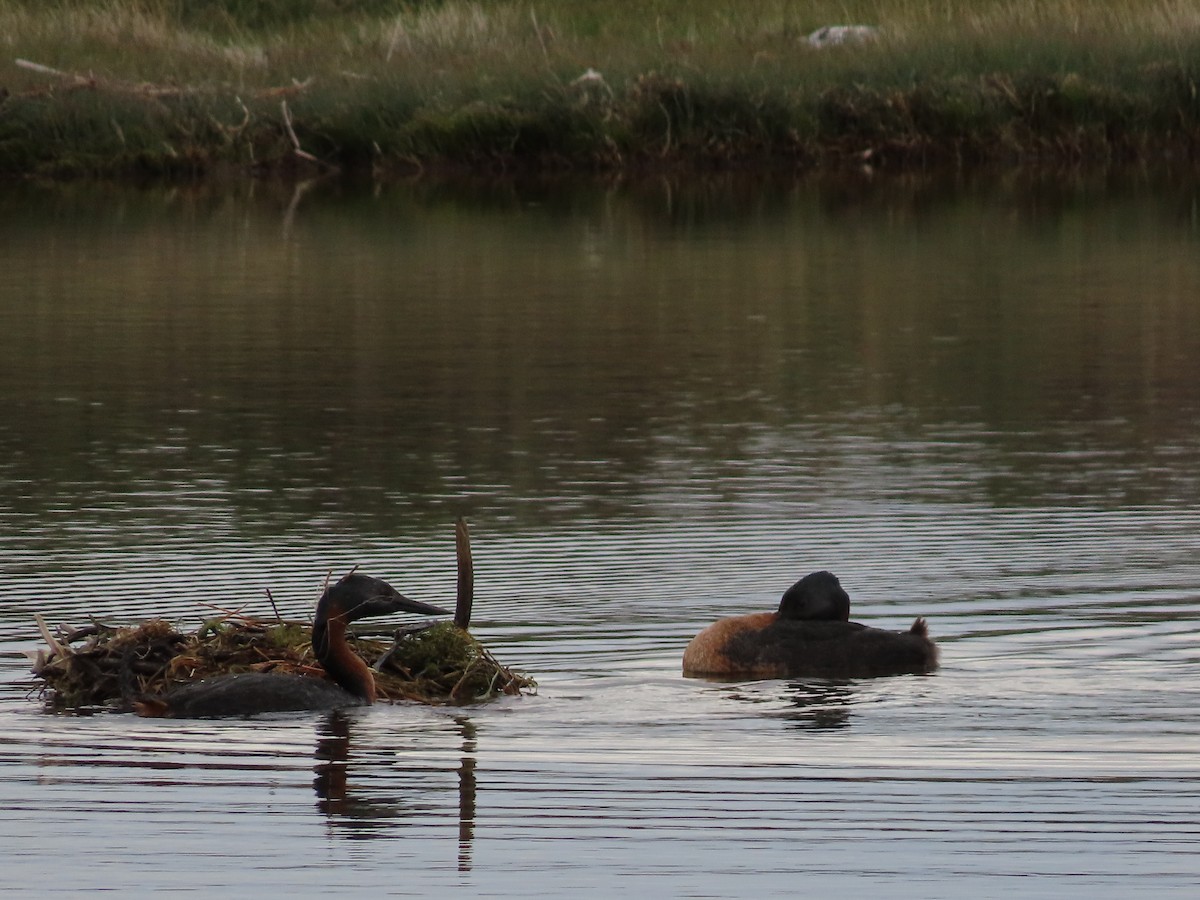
{"x":657,"y":404}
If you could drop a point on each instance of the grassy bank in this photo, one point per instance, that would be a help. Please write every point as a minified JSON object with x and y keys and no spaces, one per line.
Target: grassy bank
{"x":164,"y":86}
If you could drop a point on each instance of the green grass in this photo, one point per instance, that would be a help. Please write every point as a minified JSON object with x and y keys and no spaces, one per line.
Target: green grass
{"x":490,"y":85}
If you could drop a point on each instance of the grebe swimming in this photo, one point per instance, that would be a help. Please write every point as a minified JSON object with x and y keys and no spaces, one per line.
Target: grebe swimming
{"x":810,"y":634}
{"x":353,"y":597}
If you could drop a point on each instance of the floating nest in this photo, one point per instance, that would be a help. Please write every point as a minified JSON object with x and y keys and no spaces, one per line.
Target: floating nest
{"x":105,"y":666}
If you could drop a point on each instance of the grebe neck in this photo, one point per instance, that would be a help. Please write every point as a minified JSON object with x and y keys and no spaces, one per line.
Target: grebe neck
{"x":341,"y":663}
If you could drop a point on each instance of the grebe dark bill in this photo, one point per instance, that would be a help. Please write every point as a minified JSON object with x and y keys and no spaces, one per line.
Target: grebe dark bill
{"x":353,"y":597}
{"x":809,"y":635}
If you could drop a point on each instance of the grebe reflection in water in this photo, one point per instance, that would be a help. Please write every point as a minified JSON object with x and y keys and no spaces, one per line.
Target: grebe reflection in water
{"x":810,"y":634}
{"x":353,"y":597}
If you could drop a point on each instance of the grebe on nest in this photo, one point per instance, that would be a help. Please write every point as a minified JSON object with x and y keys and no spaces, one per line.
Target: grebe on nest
{"x":810,"y":635}
{"x":354,"y":597}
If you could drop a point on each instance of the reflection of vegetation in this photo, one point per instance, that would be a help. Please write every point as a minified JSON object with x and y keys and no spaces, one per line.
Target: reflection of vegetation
{"x":546,"y":352}
{"x":171,"y":86}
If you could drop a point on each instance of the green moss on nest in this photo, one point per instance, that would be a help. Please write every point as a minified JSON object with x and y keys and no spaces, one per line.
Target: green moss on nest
{"x":446,"y":662}
{"x":286,"y":634}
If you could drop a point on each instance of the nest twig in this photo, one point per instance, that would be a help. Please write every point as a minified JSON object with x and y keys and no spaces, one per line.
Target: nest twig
{"x":148,"y":90}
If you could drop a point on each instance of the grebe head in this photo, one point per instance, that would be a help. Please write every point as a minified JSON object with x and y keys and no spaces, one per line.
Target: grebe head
{"x":357,"y":597}
{"x":816,"y":596}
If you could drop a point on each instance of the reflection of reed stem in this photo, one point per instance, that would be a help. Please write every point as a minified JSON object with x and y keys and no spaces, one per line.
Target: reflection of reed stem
{"x":466,"y":795}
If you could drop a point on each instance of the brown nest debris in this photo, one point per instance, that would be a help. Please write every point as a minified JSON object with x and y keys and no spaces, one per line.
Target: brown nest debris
{"x":105,"y":666}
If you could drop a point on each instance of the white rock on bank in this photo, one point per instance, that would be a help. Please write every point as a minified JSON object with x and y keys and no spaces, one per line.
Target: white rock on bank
{"x":832,"y":35}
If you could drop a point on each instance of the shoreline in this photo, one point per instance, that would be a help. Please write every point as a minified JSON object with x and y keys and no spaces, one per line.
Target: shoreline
{"x":87,"y":131}
{"x":497,"y":89}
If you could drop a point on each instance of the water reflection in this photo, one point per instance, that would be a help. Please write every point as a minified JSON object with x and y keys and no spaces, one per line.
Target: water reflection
{"x":819,"y":705}
{"x":466,"y":793}
{"x":363,"y":817}
{"x":357,"y":815}
{"x":814,"y":704}
{"x":548,"y":355}
{"x":976,"y":399}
